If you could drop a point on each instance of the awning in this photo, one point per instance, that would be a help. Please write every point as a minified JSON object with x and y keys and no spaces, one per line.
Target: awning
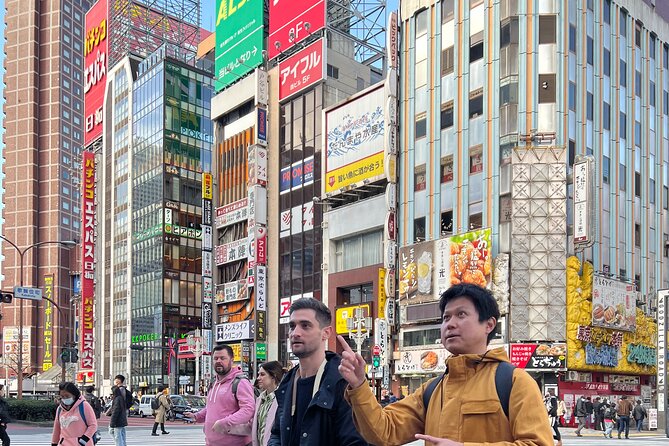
{"x":51,"y":376}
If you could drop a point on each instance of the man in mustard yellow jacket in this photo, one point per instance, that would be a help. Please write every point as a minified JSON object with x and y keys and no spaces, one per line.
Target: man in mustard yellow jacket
{"x":464,"y":408}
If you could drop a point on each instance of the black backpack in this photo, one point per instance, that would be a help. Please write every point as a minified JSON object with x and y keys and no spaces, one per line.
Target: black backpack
{"x":235,"y":384}
{"x":155,"y":404}
{"x":503,"y":384}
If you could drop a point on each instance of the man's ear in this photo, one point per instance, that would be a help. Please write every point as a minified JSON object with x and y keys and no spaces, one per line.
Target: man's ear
{"x":491,"y":324}
{"x":327,"y":332}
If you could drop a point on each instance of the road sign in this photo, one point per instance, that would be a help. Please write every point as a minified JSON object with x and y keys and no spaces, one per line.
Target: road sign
{"x":23,"y":292}
{"x":184,"y":380}
{"x":376,"y":351}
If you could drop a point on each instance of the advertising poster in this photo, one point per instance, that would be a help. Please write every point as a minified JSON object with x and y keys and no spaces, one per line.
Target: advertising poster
{"x":302,"y":70}
{"x":422,"y":361}
{"x":288,"y":21}
{"x":613,"y":304}
{"x":539,"y":356}
{"x":95,"y":69}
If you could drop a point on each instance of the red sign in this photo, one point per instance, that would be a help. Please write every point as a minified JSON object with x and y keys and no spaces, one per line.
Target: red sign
{"x":287,"y":22}
{"x":301,"y":70}
{"x":261,"y":245}
{"x":88,"y":262}
{"x":539,"y":356}
{"x":95,"y":69}
{"x":376,"y":351}
{"x":391,"y":233}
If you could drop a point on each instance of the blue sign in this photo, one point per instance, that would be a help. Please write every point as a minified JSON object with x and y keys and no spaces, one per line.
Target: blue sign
{"x":262,"y":125}
{"x":293,"y":177}
{"x":22,"y":292}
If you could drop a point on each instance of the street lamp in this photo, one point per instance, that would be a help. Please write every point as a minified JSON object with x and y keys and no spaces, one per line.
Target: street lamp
{"x":356,"y":325}
{"x":22,"y":252}
{"x":195,"y":346}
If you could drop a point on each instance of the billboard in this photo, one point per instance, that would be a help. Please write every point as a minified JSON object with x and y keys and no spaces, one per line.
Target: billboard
{"x":613,"y":304}
{"x":354,"y":133}
{"x":539,"y":356}
{"x":239,"y":39}
{"x":95,"y":69}
{"x":88,"y":262}
{"x":10,"y":347}
{"x":288,"y":23}
{"x":428,"y":269}
{"x":47,"y":359}
{"x":302,"y":70}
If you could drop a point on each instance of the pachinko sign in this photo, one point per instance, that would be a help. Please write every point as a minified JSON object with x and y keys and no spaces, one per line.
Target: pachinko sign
{"x":95,"y":69}
{"x":88,"y":262}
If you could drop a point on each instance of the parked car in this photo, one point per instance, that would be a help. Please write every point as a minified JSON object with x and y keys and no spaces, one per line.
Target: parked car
{"x":144,"y":406}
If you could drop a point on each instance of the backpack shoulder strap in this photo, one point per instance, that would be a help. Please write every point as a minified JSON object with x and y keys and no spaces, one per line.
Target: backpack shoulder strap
{"x":81,"y":412}
{"x":429,"y":390}
{"x":235,"y":384}
{"x":503,"y":384}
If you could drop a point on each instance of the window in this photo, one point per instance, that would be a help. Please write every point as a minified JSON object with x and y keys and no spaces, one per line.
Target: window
{"x":651,"y":191}
{"x":509,"y":32}
{"x":423,"y":336}
{"x":66,"y":190}
{"x":651,"y":93}
{"x":546,"y":88}
{"x":606,"y":11}
{"x":590,"y":104}
{"x":637,"y":184}
{"x":651,"y":46}
{"x":607,"y":62}
{"x":622,"y":177}
{"x":590,"y":50}
{"x":356,"y":295}
{"x":665,"y":102}
{"x":476,"y":52}
{"x":475,"y":160}
{"x":637,"y":234}
{"x":446,"y":222}
{"x":637,"y":133}
{"x":419,"y":179}
{"x":508,"y":94}
{"x":606,"y":116}
{"x":447,"y":65}
{"x":332,"y":71}
{"x":606,"y":169}
{"x":572,"y":152}
{"x":623,"y":73}
{"x":447,"y":169}
{"x":665,"y":56}
{"x":475,"y":104}
{"x":623,"y":125}
{"x":476,"y":221}
{"x":421,"y":126}
{"x":447,"y":115}
{"x":637,"y":83}
{"x":637,"y":35}
{"x":572,"y":38}
{"x":623,"y":23}
{"x":572,"y":96}
{"x":66,"y":221}
{"x":359,"y":251}
{"x":446,"y":10}
{"x":665,"y":197}
{"x":419,"y":229}
{"x":547,"y":29}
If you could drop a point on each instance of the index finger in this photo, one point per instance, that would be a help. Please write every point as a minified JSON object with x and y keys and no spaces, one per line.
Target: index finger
{"x":344,"y":344}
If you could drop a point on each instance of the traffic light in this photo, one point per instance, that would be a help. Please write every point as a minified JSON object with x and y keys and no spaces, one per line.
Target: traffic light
{"x":6,"y":297}
{"x":65,"y":356}
{"x":74,"y":355}
{"x":376,"y":361}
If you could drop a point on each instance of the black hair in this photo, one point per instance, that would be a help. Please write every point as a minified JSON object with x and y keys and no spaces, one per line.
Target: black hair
{"x":482,"y":298}
{"x":161,"y":388}
{"x":275,"y":370}
{"x":227,"y":348}
{"x":120,"y":378}
{"x":323,"y":314}
{"x":70,"y":388}
{"x":89,"y":389}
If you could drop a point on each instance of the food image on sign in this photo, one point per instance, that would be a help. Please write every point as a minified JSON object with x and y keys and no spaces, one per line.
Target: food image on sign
{"x":613,"y":304}
{"x":471,"y":261}
{"x":538,"y":356}
{"x":429,"y":360}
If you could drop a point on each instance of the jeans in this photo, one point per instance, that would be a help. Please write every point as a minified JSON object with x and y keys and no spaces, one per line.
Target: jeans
{"x":639,"y":425}
{"x":624,"y":425}
{"x":118,"y":434}
{"x":608,"y":428}
{"x":581,"y":425}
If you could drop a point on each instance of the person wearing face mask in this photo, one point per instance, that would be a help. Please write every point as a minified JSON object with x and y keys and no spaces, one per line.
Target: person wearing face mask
{"x":121,"y":402}
{"x":269,"y":377}
{"x":4,"y":417}
{"x":74,"y":425}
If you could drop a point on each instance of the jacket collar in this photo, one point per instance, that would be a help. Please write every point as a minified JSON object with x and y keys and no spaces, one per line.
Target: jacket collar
{"x":325,"y":397}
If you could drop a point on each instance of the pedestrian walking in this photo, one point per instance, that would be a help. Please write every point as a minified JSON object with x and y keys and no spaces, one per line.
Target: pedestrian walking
{"x":4,"y":417}
{"x":269,"y":377}
{"x":311,"y":409}
{"x":230,"y":403}
{"x":164,"y":404}
{"x":639,"y":413}
{"x":598,"y":414}
{"x":462,"y":405}
{"x":121,"y":402}
{"x":75,"y":423}
{"x":580,"y":415}
{"x":609,"y":419}
{"x":552,"y":408}
{"x":624,"y":412}
{"x":589,"y":411}
{"x":93,"y":400}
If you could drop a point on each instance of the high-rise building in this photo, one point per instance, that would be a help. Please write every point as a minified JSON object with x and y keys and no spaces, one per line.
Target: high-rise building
{"x":502,"y":105}
{"x":42,"y":149}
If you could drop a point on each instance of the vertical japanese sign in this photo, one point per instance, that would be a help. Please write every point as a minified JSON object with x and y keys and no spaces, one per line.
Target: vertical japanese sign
{"x":207,"y":248}
{"x":95,"y":69}
{"x":584,"y":192}
{"x":47,"y":360}
{"x":88,"y":262}
{"x":661,"y":348}
{"x":302,"y":70}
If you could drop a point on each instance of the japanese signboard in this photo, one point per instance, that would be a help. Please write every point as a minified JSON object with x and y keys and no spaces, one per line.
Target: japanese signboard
{"x":613,"y":304}
{"x":239,"y":39}
{"x":88,"y":258}
{"x":47,"y":360}
{"x":662,"y":296}
{"x":257,"y":165}
{"x":296,"y":220}
{"x":207,"y":186}
{"x":422,"y":361}
{"x":343,"y":313}
{"x":232,"y":213}
{"x":583,"y":200}
{"x":355,"y":140}
{"x":207,"y":315}
{"x":232,"y":292}
{"x":95,"y":69}
{"x":539,"y":356}
{"x":427,"y":269}
{"x":261,"y":288}
{"x":291,"y":21}
{"x":10,"y":345}
{"x":381,"y":310}
{"x":391,"y":40}
{"x":302,"y":70}
{"x":235,"y":331}
{"x":231,"y":252}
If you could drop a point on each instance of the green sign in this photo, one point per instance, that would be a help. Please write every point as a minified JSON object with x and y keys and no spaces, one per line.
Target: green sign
{"x":261,"y":351}
{"x":239,"y":39}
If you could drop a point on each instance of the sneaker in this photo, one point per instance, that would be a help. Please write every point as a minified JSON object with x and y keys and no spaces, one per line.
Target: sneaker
{"x":165,"y":433}
{"x":155,"y":434}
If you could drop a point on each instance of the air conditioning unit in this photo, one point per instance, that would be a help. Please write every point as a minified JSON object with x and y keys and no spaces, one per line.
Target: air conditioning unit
{"x":572,"y":375}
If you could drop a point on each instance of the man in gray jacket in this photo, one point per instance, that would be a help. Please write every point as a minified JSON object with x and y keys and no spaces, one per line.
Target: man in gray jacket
{"x":581,"y":413}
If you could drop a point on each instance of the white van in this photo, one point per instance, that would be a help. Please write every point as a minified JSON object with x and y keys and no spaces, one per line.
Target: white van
{"x":145,"y":406}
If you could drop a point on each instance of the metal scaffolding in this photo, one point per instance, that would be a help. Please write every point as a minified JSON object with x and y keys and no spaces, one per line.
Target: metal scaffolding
{"x":139,"y":28}
{"x":358,"y":28}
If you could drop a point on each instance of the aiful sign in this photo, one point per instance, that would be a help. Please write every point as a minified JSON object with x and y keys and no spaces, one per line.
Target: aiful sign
{"x":95,"y":69}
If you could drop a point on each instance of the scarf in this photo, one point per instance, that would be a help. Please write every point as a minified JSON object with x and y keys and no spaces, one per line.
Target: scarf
{"x":266,"y":400}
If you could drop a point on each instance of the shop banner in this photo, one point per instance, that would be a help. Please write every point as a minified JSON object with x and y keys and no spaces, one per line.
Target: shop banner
{"x":422,"y":361}
{"x":613,"y":304}
{"x":539,"y":356}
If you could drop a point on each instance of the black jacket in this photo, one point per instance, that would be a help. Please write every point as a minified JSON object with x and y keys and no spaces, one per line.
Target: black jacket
{"x":119,"y":409}
{"x":328,"y":420}
{"x":4,"y":411}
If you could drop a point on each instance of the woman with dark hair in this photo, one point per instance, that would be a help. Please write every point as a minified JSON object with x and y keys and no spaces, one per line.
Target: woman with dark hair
{"x":269,"y":377}
{"x":75,"y":423}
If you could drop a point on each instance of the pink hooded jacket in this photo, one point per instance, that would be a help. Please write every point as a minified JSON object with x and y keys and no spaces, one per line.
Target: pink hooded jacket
{"x":68,"y":426}
{"x":227,"y":411}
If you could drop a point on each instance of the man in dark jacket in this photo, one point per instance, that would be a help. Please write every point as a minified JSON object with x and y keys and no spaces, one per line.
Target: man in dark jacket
{"x":121,"y":399}
{"x":639,"y":413}
{"x":4,"y":417}
{"x":93,"y":400}
{"x":580,"y":414}
{"x":589,"y":410}
{"x":311,"y":407}
{"x":599,"y":414}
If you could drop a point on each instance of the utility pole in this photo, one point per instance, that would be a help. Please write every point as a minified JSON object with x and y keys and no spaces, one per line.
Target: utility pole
{"x":356,"y":325}
{"x":195,"y":346}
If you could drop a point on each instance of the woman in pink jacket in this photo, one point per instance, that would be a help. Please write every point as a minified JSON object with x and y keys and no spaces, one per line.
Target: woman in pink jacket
{"x":269,"y":377}
{"x":73,"y":426}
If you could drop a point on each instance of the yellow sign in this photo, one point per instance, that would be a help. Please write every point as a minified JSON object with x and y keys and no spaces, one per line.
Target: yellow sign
{"x":207,"y":186}
{"x":47,"y":360}
{"x":356,"y":172}
{"x":237,"y":349}
{"x":341,"y":314}
{"x":382,"y":293}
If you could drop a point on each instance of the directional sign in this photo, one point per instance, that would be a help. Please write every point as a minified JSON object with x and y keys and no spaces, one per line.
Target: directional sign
{"x":21,"y":292}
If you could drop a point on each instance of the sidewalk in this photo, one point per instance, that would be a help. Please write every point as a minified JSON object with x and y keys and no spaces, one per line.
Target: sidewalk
{"x":571,"y":432}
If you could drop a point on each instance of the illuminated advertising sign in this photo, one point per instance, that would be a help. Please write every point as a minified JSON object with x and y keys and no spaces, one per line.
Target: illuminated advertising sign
{"x":355,"y":141}
{"x":239,"y":39}
{"x":88,"y":263}
{"x":95,"y":69}
{"x":287,"y":22}
{"x":47,"y":360}
{"x":301,"y":70}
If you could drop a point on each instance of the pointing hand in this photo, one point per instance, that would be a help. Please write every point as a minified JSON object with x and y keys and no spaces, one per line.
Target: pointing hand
{"x":352,"y":367}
